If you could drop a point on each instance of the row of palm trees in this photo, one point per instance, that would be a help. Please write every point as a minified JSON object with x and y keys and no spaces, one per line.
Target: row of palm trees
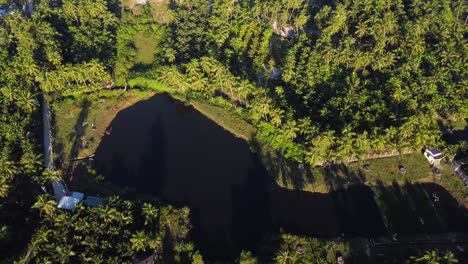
{"x":113,"y":233}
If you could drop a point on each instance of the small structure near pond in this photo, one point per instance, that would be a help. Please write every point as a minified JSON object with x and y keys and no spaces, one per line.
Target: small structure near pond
{"x":402,"y":169}
{"x":3,"y":9}
{"x":433,"y":155}
{"x":69,"y":202}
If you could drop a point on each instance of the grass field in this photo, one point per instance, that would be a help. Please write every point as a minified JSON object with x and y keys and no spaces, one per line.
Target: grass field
{"x":146,"y":48}
{"x":228,"y":120}
{"x":145,"y":83}
{"x":74,"y":120}
{"x":332,"y":177}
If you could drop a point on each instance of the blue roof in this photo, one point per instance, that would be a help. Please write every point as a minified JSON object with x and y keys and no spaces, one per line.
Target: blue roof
{"x":434,"y":151}
{"x":94,"y":201}
{"x":68,"y":202}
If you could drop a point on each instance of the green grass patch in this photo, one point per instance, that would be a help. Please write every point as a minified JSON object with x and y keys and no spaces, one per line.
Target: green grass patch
{"x":228,"y":120}
{"x":451,"y":181}
{"x":388,"y":169}
{"x":146,"y":48}
{"x":292,"y":175}
{"x":145,"y":83}
{"x":74,"y":135}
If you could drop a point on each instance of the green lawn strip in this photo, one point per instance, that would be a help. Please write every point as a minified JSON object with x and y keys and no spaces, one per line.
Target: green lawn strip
{"x":226,"y":119}
{"x":145,"y":83}
{"x":388,"y":169}
{"x":451,"y":181}
{"x":329,"y":178}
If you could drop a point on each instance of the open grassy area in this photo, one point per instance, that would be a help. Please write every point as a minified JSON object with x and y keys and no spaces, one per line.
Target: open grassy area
{"x":228,"y":120}
{"x":146,"y":48}
{"x":453,"y":183}
{"x":332,"y":177}
{"x":145,"y":83}
{"x":388,"y":169}
{"x":74,"y":135}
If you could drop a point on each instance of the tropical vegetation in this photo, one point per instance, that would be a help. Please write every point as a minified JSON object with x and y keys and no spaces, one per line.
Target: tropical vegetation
{"x":320,"y":81}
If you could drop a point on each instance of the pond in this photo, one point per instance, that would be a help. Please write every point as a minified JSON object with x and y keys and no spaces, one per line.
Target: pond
{"x":164,"y":148}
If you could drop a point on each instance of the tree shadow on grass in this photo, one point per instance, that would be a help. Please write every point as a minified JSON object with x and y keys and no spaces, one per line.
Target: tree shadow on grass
{"x":77,"y":142}
{"x":339,"y":176}
{"x":285,"y":172}
{"x":423,"y":209}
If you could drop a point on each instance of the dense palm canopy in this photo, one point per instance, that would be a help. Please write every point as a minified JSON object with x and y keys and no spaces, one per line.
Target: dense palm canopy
{"x":320,"y":80}
{"x":374,"y":76}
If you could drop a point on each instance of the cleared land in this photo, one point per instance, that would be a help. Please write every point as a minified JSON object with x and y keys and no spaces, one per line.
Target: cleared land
{"x":74,"y":121}
{"x":146,"y":48}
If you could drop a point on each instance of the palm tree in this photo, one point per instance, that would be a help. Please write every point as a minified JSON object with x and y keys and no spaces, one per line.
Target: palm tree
{"x":283,"y":257}
{"x":314,"y":157}
{"x":434,"y":257}
{"x":7,"y":168}
{"x":50,"y":175}
{"x":4,"y":188}
{"x":26,"y":101}
{"x":290,"y":130}
{"x":149,"y":212}
{"x":41,"y":235}
{"x":361,"y":30}
{"x":45,"y":204}
{"x":139,"y":241}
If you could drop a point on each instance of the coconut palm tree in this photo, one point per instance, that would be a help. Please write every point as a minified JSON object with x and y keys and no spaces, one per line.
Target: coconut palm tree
{"x":139,"y":241}
{"x":150,"y":213}
{"x":26,"y":100}
{"x":4,"y":188}
{"x":45,"y":204}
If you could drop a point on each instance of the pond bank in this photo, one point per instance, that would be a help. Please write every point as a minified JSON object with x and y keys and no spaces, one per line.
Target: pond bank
{"x":181,"y":157}
{"x":101,"y":110}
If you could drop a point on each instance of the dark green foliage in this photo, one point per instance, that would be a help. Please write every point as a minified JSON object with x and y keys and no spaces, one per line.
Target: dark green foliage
{"x":114,"y":233}
{"x":319,"y":81}
{"x":359,"y":78}
{"x":20,"y":158}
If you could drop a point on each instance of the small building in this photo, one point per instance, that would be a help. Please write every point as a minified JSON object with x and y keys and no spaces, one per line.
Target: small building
{"x":433,"y":155}
{"x":69,"y":202}
{"x":94,"y":201}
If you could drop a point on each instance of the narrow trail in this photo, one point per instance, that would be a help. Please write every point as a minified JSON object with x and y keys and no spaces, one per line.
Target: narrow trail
{"x":60,"y":189}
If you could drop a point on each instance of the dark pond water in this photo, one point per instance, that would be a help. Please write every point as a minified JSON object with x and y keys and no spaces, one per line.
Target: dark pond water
{"x":164,"y":148}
